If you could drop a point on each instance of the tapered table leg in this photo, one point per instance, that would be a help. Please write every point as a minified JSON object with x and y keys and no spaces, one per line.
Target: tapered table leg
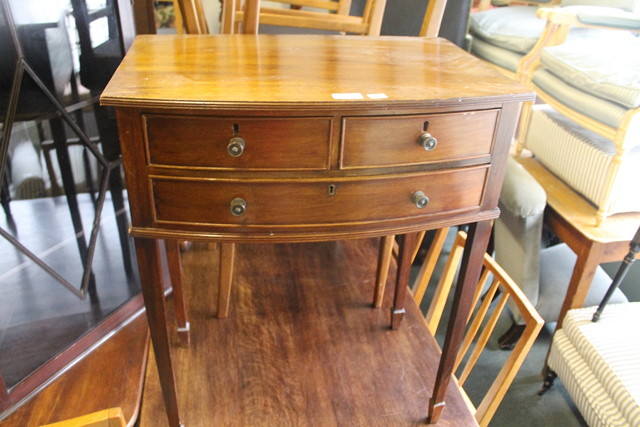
{"x":179,"y":299}
{"x":469,"y":274}
{"x":405,"y":258}
{"x":148,"y":254}
{"x":225,"y":277}
{"x":384,"y":260}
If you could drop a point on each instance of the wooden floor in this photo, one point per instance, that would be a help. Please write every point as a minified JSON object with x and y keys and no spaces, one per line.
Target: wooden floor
{"x":111,"y":376}
{"x":39,"y":318}
{"x":302,"y":345}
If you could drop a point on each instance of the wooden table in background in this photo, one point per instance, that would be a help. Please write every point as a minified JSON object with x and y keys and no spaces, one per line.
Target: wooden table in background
{"x":573,"y":220}
{"x":291,"y":138}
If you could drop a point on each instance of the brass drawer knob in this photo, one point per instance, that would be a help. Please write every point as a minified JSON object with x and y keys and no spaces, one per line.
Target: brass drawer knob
{"x":427,"y":141}
{"x":238,"y":206}
{"x":420,"y":199}
{"x":236,"y":146}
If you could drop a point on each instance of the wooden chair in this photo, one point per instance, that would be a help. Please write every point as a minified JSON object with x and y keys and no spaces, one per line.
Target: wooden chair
{"x":191,"y":17}
{"x":334,"y":16}
{"x":481,"y":322}
{"x":112,"y":417}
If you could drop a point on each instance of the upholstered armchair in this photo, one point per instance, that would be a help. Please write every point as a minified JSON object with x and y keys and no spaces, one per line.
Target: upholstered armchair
{"x":542,"y":272}
{"x":503,"y":35}
{"x":589,"y":133}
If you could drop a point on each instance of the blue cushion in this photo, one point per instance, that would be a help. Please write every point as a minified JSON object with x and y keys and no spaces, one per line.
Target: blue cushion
{"x":608,"y":71}
{"x":629,"y":5}
{"x":515,"y":28}
{"x":609,"y":17}
{"x":501,"y":57}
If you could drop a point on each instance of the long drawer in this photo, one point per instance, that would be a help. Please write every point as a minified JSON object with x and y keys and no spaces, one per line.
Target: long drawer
{"x":343,"y":200}
{"x":296,"y":143}
{"x":417,"y":139}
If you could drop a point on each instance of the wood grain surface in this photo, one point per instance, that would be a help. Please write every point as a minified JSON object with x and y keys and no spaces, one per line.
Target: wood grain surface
{"x":302,"y":345}
{"x":578,"y":211}
{"x":217,"y":70}
{"x":109,"y":377}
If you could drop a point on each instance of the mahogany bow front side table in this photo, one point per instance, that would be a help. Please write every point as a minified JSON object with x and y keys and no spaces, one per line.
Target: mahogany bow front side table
{"x":290,"y":138}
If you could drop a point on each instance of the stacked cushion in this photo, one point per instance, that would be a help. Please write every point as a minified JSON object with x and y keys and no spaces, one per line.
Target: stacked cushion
{"x":599,"y":364}
{"x":584,"y":160}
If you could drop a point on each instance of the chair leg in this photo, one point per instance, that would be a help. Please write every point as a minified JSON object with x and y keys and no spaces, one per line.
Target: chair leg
{"x":407,"y":244}
{"x":5,"y":197}
{"x":62,"y":153}
{"x":109,"y":138}
{"x":509,"y":339}
{"x":429,"y":263}
{"x":179,"y":300}
{"x":549,"y":377}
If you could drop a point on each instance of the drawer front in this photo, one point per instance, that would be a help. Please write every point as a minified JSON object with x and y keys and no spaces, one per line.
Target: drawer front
{"x":302,"y":202}
{"x":394,"y":141}
{"x":267,"y":143}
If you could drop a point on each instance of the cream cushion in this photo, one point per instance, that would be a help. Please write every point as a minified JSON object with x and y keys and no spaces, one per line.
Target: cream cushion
{"x":610,"y":349}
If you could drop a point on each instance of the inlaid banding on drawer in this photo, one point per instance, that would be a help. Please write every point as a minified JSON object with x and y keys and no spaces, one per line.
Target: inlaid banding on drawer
{"x":401,"y":140}
{"x":298,"y":143}
{"x":317,"y":202}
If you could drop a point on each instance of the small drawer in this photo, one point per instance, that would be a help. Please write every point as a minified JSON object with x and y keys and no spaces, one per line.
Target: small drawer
{"x":300,"y":143}
{"x":401,"y":140}
{"x":307,"y":202}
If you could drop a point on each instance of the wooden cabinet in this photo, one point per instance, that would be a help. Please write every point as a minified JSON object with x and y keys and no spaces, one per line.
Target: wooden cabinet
{"x":308,"y":138}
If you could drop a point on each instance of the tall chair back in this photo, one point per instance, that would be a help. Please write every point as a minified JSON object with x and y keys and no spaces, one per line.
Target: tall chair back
{"x":332,"y":16}
{"x":493,"y":291}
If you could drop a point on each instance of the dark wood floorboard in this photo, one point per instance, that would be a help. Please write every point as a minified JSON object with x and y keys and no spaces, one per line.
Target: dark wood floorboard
{"x":39,"y":318}
{"x":302,"y":345}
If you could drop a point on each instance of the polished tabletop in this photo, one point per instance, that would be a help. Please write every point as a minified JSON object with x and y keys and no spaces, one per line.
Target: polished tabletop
{"x":263,"y":70}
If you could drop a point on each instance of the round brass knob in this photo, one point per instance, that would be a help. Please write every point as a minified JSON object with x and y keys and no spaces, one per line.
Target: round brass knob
{"x":238,"y":206}
{"x":427,"y":141}
{"x":236,"y":146}
{"x":420,"y":199}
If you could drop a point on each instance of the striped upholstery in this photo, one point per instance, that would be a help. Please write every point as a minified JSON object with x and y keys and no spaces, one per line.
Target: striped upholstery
{"x":596,"y":407}
{"x":583,"y":159}
{"x":609,"y":350}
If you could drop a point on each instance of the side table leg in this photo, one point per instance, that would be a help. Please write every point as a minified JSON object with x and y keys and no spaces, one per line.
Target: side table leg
{"x":585,"y":268}
{"x":384,"y":260}
{"x":179,"y":300}
{"x":225,"y":278}
{"x":588,"y":259}
{"x":469,"y":274}
{"x":148,"y":255}
{"x":405,"y":257}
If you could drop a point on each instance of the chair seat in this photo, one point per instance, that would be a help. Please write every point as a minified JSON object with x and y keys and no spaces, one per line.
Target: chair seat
{"x":584,"y":160}
{"x":599,"y":363}
{"x":603,"y":69}
{"x":599,"y":109}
